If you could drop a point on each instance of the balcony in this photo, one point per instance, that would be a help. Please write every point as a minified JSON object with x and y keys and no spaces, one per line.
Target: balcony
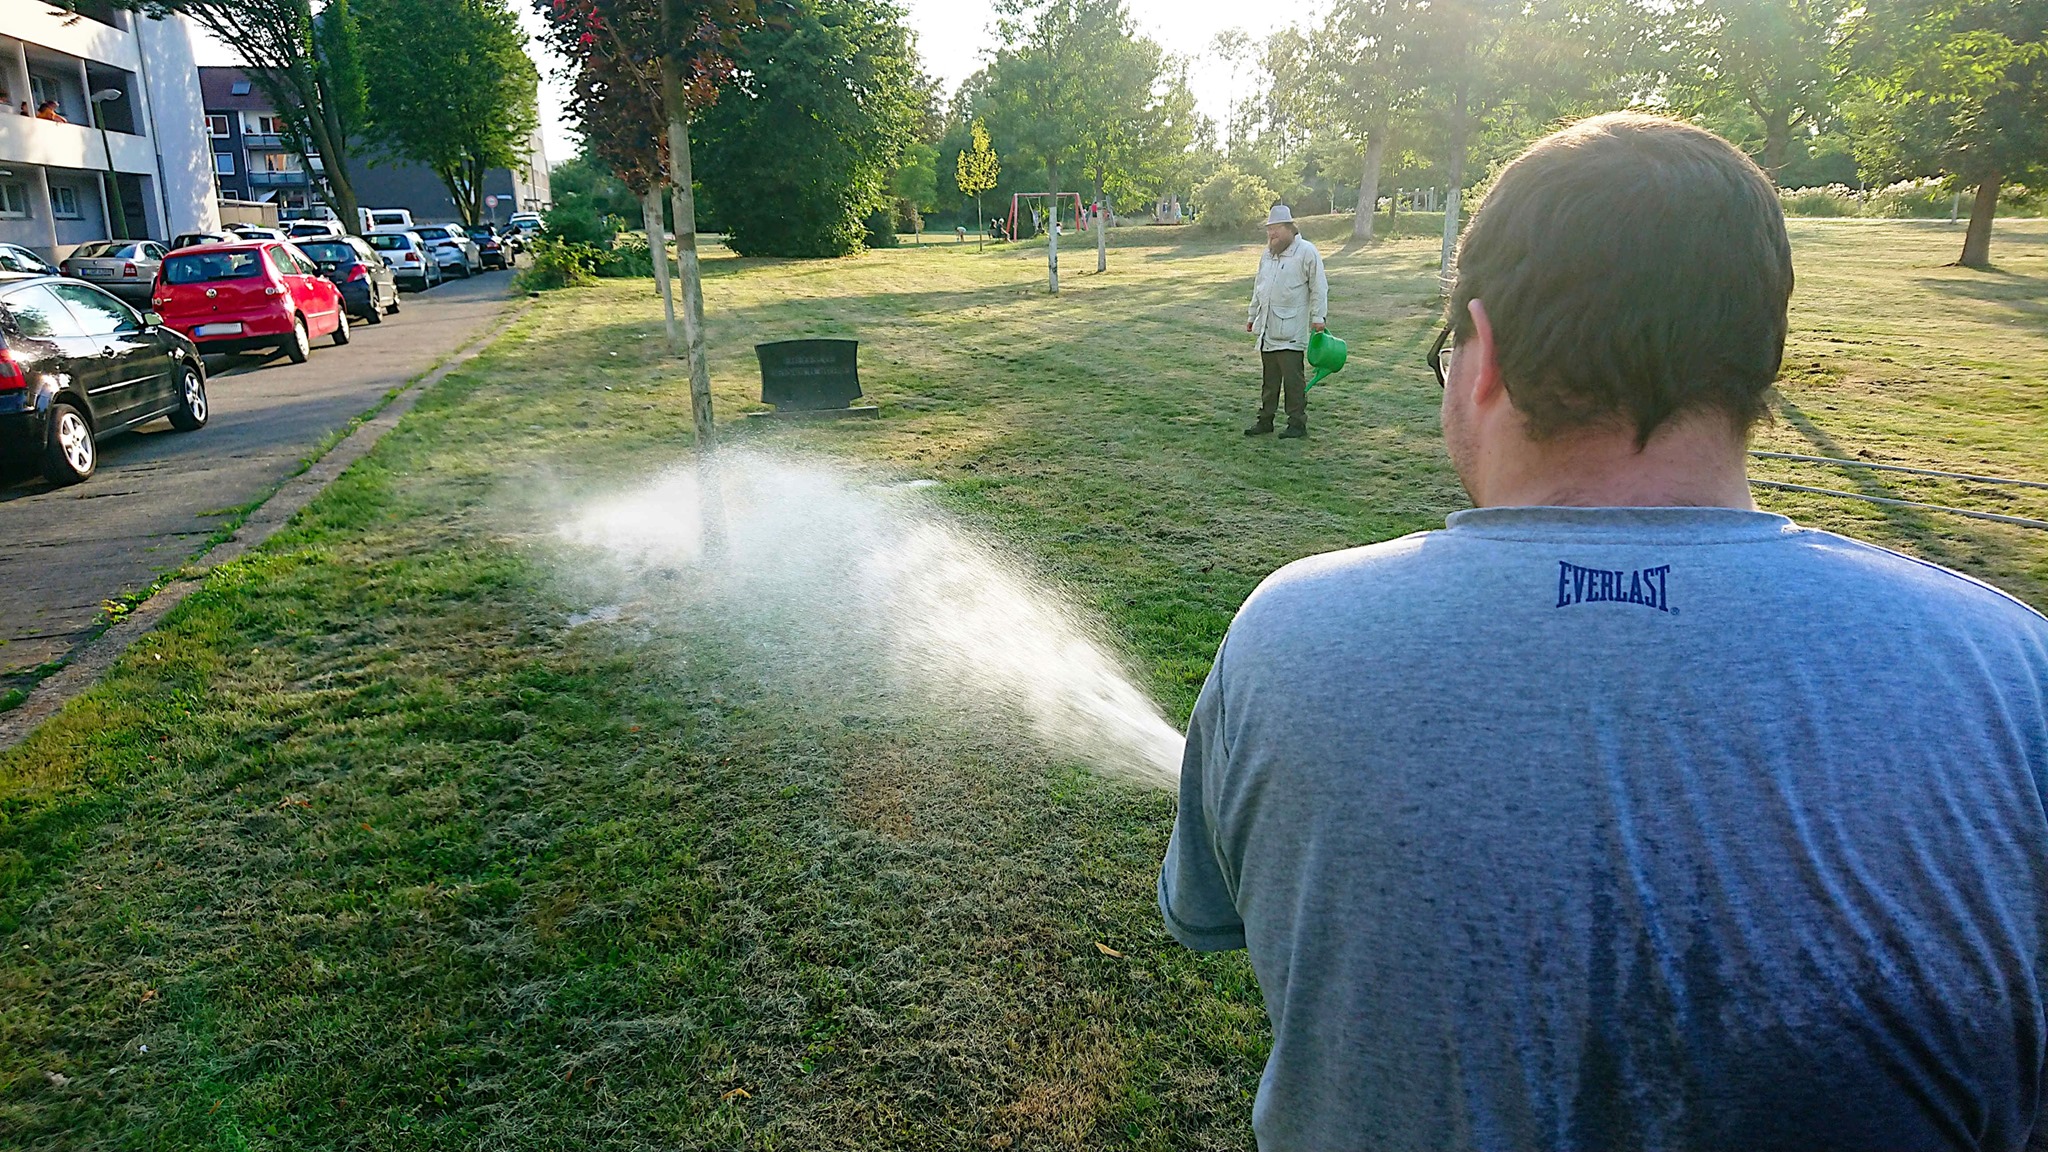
{"x":267,"y":141}
{"x":27,"y":140}
{"x":276,"y":180}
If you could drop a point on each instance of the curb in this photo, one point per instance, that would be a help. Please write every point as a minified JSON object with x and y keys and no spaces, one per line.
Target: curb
{"x":83,"y":668}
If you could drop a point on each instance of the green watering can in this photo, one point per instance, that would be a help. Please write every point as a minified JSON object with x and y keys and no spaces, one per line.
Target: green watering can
{"x":1326,"y":354}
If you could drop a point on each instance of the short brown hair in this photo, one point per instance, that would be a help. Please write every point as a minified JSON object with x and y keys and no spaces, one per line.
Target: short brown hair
{"x":1633,"y":268}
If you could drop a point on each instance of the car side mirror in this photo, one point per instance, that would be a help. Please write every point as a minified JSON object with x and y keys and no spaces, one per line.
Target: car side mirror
{"x":152,"y":320}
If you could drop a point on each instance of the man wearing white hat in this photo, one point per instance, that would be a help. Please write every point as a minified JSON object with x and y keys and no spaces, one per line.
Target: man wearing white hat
{"x":1290,"y":299}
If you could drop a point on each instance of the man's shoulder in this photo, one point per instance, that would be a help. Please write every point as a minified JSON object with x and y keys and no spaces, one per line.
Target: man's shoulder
{"x":1953,"y":594}
{"x":1345,"y":575}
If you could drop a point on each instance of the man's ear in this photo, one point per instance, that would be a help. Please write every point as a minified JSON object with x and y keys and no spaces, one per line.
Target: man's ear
{"x":1476,"y":365}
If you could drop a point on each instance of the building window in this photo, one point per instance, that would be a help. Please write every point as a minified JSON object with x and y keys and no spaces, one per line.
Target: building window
{"x":64,"y":203}
{"x":14,"y":201}
{"x":264,"y":124}
{"x":239,"y":88}
{"x":216,"y":126}
{"x":280,"y":162}
{"x":231,"y":193}
{"x":224,"y":163}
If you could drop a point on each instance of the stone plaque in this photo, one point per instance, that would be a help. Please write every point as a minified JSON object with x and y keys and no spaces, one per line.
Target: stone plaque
{"x":810,"y":375}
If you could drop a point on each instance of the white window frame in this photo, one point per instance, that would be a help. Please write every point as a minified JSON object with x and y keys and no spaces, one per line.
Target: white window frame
{"x":14,"y":206}
{"x":59,"y":194}
{"x":281,"y":164}
{"x":223,"y":163}
{"x":220,"y":119}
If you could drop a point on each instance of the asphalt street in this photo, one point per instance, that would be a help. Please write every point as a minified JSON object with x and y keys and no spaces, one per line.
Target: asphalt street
{"x":159,"y":494}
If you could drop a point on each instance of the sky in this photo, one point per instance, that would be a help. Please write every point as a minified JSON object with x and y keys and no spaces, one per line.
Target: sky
{"x":953,"y":37}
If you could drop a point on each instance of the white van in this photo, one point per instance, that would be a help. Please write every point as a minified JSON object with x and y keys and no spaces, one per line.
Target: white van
{"x":388,"y":217}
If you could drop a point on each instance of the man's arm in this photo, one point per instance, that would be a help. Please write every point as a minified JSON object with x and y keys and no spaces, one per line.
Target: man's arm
{"x":1318,"y":292}
{"x":1197,"y":886}
{"x":1251,"y":313}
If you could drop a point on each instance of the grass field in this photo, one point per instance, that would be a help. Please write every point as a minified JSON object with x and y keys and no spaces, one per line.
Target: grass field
{"x":368,"y":847}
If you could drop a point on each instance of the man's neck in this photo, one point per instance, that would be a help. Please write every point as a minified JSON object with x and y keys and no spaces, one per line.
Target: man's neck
{"x":1691,"y":464}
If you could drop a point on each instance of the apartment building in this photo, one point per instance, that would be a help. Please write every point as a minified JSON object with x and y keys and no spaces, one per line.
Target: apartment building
{"x":251,"y":157}
{"x":127,"y":156}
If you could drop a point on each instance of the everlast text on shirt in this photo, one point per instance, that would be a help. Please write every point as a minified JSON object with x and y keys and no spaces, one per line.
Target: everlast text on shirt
{"x":1645,"y":586}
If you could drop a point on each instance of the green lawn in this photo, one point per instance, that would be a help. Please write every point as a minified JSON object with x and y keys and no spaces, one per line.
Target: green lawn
{"x":369,"y":848}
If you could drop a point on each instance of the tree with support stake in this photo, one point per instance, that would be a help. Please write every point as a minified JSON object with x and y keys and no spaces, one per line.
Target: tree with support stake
{"x":678,"y":52}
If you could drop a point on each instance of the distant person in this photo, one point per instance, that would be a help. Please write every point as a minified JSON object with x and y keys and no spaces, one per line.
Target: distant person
{"x":1619,"y":814}
{"x":48,"y":111}
{"x":1290,"y":298}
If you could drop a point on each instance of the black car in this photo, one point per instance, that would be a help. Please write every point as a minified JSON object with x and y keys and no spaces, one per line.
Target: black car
{"x":369,"y":289}
{"x":78,"y":366}
{"x":497,"y":251}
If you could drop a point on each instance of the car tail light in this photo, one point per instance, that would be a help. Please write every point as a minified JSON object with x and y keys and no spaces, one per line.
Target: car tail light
{"x":358,"y":272}
{"x":412,"y":257}
{"x":128,"y":269}
{"x":13,"y":378}
{"x":274,"y":289}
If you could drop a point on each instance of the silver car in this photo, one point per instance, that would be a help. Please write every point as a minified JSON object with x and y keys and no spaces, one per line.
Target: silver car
{"x":127,"y":268}
{"x":452,"y":246}
{"x":15,"y":258}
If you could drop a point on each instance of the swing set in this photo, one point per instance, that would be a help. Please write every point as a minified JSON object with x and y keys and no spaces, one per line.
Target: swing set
{"x":1017,"y":201}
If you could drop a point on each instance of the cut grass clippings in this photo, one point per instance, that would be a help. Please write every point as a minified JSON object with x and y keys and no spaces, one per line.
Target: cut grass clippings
{"x":367,"y":847}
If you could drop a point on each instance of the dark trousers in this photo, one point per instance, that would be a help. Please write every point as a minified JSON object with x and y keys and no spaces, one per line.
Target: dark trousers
{"x":1286,"y":375}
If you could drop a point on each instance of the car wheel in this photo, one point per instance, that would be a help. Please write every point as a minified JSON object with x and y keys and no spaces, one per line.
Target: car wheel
{"x":376,"y":313}
{"x":341,"y":328}
{"x":190,"y":414}
{"x":392,"y":308}
{"x":70,"y":455}
{"x":464,"y":269}
{"x":301,"y":346}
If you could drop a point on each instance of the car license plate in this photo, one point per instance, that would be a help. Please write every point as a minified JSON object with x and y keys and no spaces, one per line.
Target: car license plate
{"x":218,"y":330}
{"x":90,"y":270}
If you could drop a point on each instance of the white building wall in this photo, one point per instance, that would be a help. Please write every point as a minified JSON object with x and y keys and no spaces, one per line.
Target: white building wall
{"x":176,"y":123}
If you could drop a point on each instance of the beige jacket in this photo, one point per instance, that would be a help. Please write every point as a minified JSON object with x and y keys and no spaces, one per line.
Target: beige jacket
{"x":1290,"y":294}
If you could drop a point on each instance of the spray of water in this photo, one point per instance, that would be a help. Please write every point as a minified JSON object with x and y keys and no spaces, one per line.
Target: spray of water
{"x":831,"y":580}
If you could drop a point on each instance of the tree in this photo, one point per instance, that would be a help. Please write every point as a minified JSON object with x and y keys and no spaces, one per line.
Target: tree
{"x":800,"y":153}
{"x":1074,"y":90}
{"x":1365,"y":76}
{"x":310,"y":69}
{"x":916,"y":183}
{"x":1958,"y":87}
{"x":976,"y":171}
{"x":679,"y":53}
{"x":1774,"y":58}
{"x":452,"y":88}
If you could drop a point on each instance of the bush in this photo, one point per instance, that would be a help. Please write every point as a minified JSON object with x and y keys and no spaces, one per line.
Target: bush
{"x":1232,"y":201}
{"x":1924,"y":199}
{"x":880,"y":229}
{"x":629,"y":257}
{"x":576,"y":220}
{"x":555,"y":264}
{"x":1832,"y":200}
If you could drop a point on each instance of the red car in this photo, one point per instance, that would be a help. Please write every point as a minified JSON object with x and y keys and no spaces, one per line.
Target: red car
{"x":261,"y":294}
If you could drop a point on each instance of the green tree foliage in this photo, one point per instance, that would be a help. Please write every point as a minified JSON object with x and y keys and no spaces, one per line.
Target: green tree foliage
{"x":1776,"y":60}
{"x":916,"y":183}
{"x":977,"y":168}
{"x":310,"y":68}
{"x":1232,"y":201}
{"x":1365,"y":79}
{"x":1957,"y":88}
{"x":800,"y":152}
{"x":452,"y":88}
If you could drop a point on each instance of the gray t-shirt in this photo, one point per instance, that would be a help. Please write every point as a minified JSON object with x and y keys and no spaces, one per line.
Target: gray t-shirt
{"x":1628,"y":828}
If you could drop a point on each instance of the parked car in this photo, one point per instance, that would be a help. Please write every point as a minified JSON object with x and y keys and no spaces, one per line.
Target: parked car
{"x":313,"y":229}
{"x":316,"y":212}
{"x":377,"y":219}
{"x":492,"y":250}
{"x":528,"y":223}
{"x":22,"y":262}
{"x":127,"y":268}
{"x":78,"y":366}
{"x":409,"y":258}
{"x":233,"y":297}
{"x":452,"y":246}
{"x":194,"y":239}
{"x":255,"y":232}
{"x":369,"y":289}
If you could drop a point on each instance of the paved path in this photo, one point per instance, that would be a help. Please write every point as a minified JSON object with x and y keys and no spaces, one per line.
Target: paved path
{"x":156,"y":497}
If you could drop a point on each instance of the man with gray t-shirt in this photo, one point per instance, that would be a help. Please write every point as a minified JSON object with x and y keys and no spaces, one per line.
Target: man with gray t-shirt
{"x":1619,"y":814}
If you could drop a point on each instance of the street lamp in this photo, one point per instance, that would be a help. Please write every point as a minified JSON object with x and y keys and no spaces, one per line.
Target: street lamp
{"x":113,"y":178}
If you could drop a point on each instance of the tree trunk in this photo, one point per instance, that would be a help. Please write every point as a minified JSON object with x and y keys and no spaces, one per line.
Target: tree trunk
{"x":1369,"y":186}
{"x":1777,"y":142}
{"x":1977,"y":241}
{"x":685,"y":199}
{"x":1052,"y":236}
{"x":657,"y":247}
{"x":1455,"y":195}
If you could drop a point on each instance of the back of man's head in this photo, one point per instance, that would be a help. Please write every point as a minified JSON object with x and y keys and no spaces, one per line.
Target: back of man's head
{"x":1633,"y":269}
